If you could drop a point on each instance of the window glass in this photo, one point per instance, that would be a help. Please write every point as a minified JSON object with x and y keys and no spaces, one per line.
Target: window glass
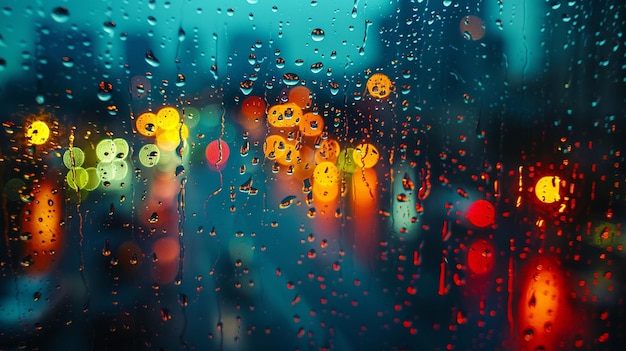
{"x":312,"y":175}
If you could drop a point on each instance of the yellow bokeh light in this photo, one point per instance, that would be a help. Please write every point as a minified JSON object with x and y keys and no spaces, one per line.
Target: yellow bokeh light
{"x":312,"y":124}
{"x":274,"y":147}
{"x":547,"y":189}
{"x":328,"y":150}
{"x":38,"y":132}
{"x":146,"y":124}
{"x":379,"y":86}
{"x":168,"y":118}
{"x":365,"y":155}
{"x":168,"y":140}
{"x":326,"y":174}
{"x":285,"y":115}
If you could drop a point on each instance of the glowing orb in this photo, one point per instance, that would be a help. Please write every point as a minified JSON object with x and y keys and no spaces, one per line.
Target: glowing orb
{"x":37,"y":132}
{"x":379,"y":86}
{"x":365,"y":155}
{"x":121,"y":148}
{"x":93,"y":179}
{"x":149,"y":155}
{"x":325,"y":193}
{"x":345,"y":161}
{"x":547,"y":189}
{"x":253,"y":107}
{"x":542,"y":301}
{"x":274,"y":147}
{"x":300,"y":96}
{"x":146,"y":124}
{"x":168,"y":140}
{"x":481,"y":257}
{"x":328,"y":150}
{"x":472,"y":27}
{"x":106,"y":150}
{"x":77,"y":178}
{"x":481,"y":213}
{"x":217,"y":153}
{"x":285,"y":115}
{"x":168,"y":118}
{"x":326,"y":174}
{"x":291,"y":155}
{"x":312,"y":124}
{"x":106,"y":170}
{"x":74,"y":157}
{"x":191,"y":116}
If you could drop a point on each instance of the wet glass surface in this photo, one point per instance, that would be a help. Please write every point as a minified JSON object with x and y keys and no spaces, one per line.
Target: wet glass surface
{"x":312,"y":175}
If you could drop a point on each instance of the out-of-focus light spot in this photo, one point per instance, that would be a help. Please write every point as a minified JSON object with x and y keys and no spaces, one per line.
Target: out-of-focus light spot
{"x":168,"y":140}
{"x":345,"y":161}
{"x":472,"y":27}
{"x":106,"y":150}
{"x":274,"y":147}
{"x":168,"y":118}
{"x":14,"y":188}
{"x":121,"y":148}
{"x":481,"y":257}
{"x":326,"y":174}
{"x":149,"y":155}
{"x":547,"y":189}
{"x":217,"y":153}
{"x":37,"y":132}
{"x":93,"y":179}
{"x":77,"y":178}
{"x":379,"y":86}
{"x":285,"y":115}
{"x":191,"y":117}
{"x":291,"y":157}
{"x":481,"y":213}
{"x":365,"y":155}
{"x":146,"y":124}
{"x":73,"y":158}
{"x":253,"y":107}
{"x":312,"y":124}
{"x":42,"y":218}
{"x":328,"y":150}
{"x":300,"y":96}
{"x":325,"y":193}
{"x":541,"y":304}
{"x":166,"y":249}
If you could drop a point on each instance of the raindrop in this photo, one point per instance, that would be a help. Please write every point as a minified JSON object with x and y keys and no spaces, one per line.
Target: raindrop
{"x":154,"y":218}
{"x":151,"y":59}
{"x":290,"y":78}
{"x":60,"y":14}
{"x":109,"y":27}
{"x":68,"y":62}
{"x":317,"y":34}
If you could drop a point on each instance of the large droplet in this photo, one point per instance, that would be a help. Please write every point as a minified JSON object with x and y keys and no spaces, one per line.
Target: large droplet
{"x":60,"y":14}
{"x":317,"y":34}
{"x":151,"y":59}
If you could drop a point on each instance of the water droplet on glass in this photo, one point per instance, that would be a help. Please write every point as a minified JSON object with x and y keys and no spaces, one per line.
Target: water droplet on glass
{"x":60,"y":14}
{"x":154,"y":218}
{"x":151,"y":59}
{"x":68,"y":62}
{"x":109,"y":27}
{"x":104,"y":91}
{"x":317,"y":34}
